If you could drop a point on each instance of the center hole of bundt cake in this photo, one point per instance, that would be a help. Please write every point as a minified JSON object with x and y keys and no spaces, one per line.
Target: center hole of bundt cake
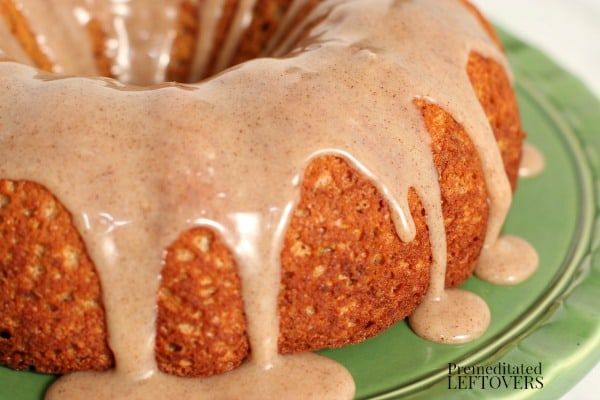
{"x":148,"y":45}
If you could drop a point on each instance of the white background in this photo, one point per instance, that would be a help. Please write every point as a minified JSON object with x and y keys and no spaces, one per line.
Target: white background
{"x":569,"y":31}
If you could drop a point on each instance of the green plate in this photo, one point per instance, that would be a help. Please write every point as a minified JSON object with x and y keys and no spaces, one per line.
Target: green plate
{"x":554,"y":317}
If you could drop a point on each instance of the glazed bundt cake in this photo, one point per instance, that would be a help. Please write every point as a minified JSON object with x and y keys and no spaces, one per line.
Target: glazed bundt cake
{"x":352,"y":164}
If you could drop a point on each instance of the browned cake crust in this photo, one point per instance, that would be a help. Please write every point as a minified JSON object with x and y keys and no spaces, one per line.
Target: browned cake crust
{"x":494,"y":91}
{"x":98,"y":40}
{"x":229,"y":9}
{"x":497,"y":97}
{"x":300,"y":17}
{"x":484,"y":22}
{"x":463,"y":190}
{"x":345,"y":273}
{"x":267,"y":16}
{"x":184,"y":44}
{"x":201,"y":328}
{"x":51,"y":313}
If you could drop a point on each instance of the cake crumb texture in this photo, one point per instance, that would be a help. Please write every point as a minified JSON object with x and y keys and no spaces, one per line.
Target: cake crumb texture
{"x":201,"y":328}
{"x":51,"y":312}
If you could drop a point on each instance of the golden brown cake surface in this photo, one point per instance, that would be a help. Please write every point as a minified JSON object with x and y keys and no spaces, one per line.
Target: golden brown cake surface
{"x":51,"y":314}
{"x":201,"y":329}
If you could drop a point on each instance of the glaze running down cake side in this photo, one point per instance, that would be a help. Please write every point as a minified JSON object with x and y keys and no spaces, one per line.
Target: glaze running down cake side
{"x":349,"y":173}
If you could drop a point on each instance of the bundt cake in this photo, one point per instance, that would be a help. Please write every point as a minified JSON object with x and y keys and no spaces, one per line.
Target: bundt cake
{"x":321,"y":170}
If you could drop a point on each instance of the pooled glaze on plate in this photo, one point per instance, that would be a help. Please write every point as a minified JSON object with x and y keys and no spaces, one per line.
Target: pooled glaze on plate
{"x":532,"y":162}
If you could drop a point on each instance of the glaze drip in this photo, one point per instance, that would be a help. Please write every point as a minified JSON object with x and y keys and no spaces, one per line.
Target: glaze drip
{"x":532,"y":163}
{"x":436,"y":319}
{"x":510,"y":261}
{"x":132,"y":184}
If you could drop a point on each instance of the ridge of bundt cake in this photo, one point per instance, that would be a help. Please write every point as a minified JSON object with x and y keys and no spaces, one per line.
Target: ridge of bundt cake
{"x":43,"y":49}
{"x":346,"y":275}
{"x":267,"y":15}
{"x":183,"y":49}
{"x":220,"y":34}
{"x":201,"y":328}
{"x":51,"y":313}
{"x":23,"y":33}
